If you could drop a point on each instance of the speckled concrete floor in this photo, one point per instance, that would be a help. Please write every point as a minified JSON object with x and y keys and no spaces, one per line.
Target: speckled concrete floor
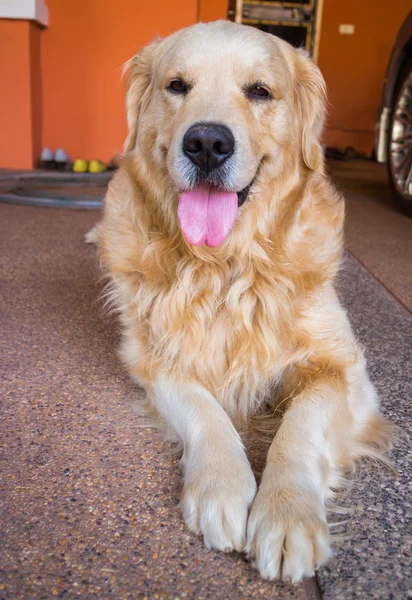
{"x":376,"y":232}
{"x":374,"y":561}
{"x":89,"y":493}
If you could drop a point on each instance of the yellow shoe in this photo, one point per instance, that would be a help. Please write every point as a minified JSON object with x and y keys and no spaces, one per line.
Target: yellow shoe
{"x":96,"y":166}
{"x":80,"y":165}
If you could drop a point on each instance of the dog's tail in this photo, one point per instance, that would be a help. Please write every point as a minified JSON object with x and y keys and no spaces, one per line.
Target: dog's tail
{"x":93,"y":236}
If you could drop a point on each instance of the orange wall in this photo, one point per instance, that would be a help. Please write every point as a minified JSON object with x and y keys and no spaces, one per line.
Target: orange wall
{"x":36,"y":90}
{"x":354,"y":65}
{"x":88,"y":41}
{"x":212,"y":10}
{"x":83,"y":51}
{"x":62,"y":86}
{"x":20,"y":109}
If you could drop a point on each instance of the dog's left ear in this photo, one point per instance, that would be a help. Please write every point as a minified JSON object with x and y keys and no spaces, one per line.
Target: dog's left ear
{"x":311,"y":99}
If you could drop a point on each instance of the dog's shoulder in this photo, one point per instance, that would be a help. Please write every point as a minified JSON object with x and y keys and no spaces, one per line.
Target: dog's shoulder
{"x":122,"y":231}
{"x":120,"y":188}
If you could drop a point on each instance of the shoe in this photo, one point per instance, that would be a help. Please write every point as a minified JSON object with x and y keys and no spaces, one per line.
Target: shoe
{"x":96,"y":166}
{"x":80,"y":165}
{"x":113,"y":163}
{"x":47,"y":160}
{"x":63,"y":162}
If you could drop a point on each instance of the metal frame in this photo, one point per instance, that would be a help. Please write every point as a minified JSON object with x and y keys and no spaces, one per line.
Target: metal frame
{"x":281,"y":4}
{"x":307,"y":26}
{"x":313,"y":27}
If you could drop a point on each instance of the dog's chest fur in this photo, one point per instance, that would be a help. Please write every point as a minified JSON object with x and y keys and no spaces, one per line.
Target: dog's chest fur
{"x":226,"y":319}
{"x":222,"y":327}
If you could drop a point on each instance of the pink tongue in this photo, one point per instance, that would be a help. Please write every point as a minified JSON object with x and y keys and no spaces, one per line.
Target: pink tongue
{"x":206,"y":215}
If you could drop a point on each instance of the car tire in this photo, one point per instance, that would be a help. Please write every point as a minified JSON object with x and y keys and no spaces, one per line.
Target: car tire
{"x":400,"y":142}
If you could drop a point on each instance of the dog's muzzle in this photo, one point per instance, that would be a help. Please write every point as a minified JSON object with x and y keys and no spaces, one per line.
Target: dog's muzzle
{"x":208,"y":208}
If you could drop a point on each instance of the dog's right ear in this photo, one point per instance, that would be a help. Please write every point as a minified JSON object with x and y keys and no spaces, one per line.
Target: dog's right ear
{"x":139,"y":70}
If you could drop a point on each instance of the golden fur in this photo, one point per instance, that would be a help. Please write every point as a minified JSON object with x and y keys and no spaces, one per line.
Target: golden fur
{"x":255,"y":320}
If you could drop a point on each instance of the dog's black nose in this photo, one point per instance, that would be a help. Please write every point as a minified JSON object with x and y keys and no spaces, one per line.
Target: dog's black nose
{"x":208,"y":145}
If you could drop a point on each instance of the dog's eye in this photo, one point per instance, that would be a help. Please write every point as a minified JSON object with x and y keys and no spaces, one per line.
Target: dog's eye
{"x":178,"y":86}
{"x":257,"y":91}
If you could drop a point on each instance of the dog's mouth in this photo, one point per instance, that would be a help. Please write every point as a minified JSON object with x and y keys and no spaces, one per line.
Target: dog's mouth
{"x":207,"y":213}
{"x":243,"y":194}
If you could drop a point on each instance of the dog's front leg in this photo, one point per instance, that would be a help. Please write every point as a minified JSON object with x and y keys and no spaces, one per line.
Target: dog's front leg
{"x":287,"y":531}
{"x":219,"y":485}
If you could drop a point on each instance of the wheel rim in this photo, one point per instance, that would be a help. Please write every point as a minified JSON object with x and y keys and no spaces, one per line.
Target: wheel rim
{"x":401,"y":140}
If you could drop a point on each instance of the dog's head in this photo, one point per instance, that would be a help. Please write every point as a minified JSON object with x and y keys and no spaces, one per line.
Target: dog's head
{"x":217,"y":111}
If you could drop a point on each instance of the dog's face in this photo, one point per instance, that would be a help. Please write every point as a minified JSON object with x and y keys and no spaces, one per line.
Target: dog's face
{"x":216,"y":107}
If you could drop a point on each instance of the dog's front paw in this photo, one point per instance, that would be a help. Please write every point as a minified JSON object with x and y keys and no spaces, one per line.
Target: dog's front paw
{"x":287,"y":534}
{"x":215,"y":501}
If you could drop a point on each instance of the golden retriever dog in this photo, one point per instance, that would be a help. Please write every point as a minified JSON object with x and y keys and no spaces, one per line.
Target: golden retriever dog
{"x":222,"y":237}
